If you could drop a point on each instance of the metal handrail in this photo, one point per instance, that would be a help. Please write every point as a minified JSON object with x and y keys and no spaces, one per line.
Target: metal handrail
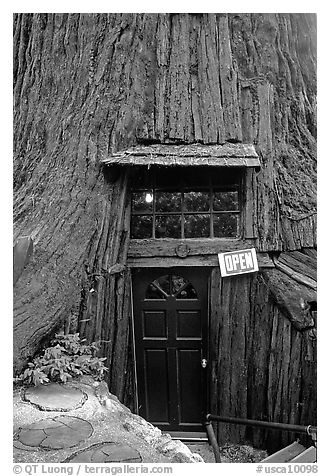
{"x":310,"y":430}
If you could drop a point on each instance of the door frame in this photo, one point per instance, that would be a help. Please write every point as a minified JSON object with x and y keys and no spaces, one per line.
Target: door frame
{"x":166,"y":266}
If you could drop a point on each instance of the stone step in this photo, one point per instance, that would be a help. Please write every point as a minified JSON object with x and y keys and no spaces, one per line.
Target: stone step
{"x":307,"y":456}
{"x":286,"y":454}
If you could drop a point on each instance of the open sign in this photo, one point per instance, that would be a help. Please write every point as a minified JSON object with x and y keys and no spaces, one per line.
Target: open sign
{"x":238,"y":262}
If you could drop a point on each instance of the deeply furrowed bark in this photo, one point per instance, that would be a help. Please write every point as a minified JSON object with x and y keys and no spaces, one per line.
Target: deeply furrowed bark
{"x":86,"y":85}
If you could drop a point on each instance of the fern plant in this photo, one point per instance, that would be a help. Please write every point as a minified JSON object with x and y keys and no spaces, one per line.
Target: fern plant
{"x":67,"y":357}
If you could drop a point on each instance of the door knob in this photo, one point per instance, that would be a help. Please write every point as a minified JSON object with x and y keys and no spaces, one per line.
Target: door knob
{"x":204,"y":363}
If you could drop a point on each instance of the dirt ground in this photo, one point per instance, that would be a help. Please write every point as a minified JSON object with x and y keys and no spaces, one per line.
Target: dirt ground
{"x":229,"y":453}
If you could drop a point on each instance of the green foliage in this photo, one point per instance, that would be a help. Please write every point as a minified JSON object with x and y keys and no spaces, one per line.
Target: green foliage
{"x":66,"y":358}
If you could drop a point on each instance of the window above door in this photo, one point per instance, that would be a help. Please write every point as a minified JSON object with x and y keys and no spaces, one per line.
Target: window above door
{"x":180,"y":202}
{"x":188,"y":202}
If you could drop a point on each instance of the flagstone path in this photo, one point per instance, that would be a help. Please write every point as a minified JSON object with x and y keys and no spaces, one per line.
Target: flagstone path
{"x":55,"y":433}
{"x":107,"y":453}
{"x":82,"y":422}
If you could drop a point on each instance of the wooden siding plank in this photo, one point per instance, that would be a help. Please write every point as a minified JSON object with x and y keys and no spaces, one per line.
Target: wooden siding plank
{"x":259,"y":324}
{"x":214,"y":333}
{"x":310,"y":252}
{"x":197,"y":246}
{"x":250,"y":206}
{"x":232,"y":370}
{"x":225,"y":430}
{"x":300,"y":278}
{"x":300,"y":263}
{"x":199,"y":260}
{"x":168,"y":262}
{"x":295,"y":377}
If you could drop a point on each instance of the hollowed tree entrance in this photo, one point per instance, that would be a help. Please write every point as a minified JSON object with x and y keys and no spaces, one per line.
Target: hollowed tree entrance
{"x":170,"y":326}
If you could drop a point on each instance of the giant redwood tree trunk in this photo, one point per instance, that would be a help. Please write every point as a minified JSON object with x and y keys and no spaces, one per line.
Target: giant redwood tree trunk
{"x":86,"y":85}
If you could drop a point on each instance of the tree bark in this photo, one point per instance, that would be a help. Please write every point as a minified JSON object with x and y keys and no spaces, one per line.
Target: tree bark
{"x":86,"y":85}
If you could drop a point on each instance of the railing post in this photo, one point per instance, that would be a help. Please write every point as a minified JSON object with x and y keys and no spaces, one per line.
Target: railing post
{"x":312,"y":432}
{"x":213,"y":441}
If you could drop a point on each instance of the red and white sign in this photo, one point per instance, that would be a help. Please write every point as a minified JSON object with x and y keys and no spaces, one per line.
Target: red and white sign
{"x":238,"y":262}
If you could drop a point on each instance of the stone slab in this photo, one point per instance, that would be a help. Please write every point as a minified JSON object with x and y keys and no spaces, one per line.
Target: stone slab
{"x":55,"y":397}
{"x":107,"y":453}
{"x":56,"y":433}
{"x":31,"y":437}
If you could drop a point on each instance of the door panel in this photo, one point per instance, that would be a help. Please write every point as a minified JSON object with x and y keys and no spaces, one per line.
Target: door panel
{"x":154,"y":324}
{"x":189,"y":365}
{"x":157,"y":395}
{"x":170,"y":327}
{"x":189,"y":324}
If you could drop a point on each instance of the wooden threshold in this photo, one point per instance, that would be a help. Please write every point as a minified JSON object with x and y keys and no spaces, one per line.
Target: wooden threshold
{"x":188,"y":435}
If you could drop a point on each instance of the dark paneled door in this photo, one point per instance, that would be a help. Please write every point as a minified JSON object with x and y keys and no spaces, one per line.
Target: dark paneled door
{"x":170,"y":328}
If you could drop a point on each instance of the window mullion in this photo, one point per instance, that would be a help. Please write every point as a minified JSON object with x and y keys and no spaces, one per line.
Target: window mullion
{"x":182,"y":214}
{"x":154,"y":213}
{"x":211,"y":212}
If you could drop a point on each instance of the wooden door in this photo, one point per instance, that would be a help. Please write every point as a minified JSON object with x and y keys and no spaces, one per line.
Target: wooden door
{"x":170,"y":328}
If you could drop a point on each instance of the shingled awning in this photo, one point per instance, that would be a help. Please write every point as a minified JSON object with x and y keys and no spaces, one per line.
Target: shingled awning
{"x":227,"y":155}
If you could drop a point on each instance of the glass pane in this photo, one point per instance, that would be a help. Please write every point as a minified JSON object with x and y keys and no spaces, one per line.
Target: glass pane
{"x":154,"y":293}
{"x":168,"y":226}
{"x":225,"y":201}
{"x":223,"y":176}
{"x":177,"y":283}
{"x":164,"y":283}
{"x":168,"y":201}
{"x":167,"y":177}
{"x":141,"y":226}
{"x":188,"y":292}
{"x":196,"y":226}
{"x":142,"y":201}
{"x":195,"y":176}
{"x":196,"y":201}
{"x":142,"y":177}
{"x":225,"y":225}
